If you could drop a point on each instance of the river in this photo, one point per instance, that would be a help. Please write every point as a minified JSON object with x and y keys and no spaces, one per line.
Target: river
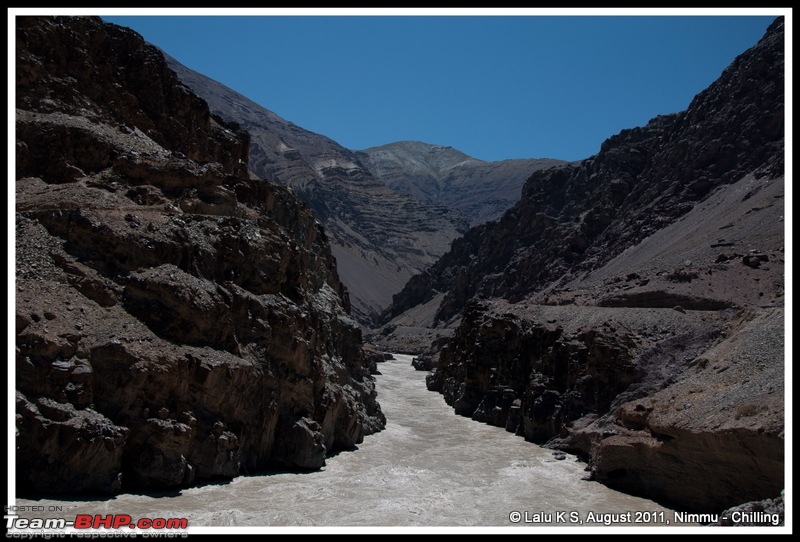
{"x":429,"y":467}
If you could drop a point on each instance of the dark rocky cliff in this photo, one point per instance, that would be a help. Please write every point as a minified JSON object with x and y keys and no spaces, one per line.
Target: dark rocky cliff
{"x":177,"y":319}
{"x":631,"y":308}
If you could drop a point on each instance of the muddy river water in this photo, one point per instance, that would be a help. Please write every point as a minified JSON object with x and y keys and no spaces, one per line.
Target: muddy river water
{"x":429,"y":467}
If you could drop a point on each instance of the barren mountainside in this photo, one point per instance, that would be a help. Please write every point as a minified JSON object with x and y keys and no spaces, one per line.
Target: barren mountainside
{"x":444,"y":176}
{"x":177,"y":320}
{"x":631,"y":308}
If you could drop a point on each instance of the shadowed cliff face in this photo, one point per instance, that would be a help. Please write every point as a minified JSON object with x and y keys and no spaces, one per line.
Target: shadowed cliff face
{"x":631,"y":308}
{"x":177,"y":320}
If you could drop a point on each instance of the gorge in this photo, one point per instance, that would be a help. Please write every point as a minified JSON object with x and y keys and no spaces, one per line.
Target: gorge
{"x":205,"y":291}
{"x":416,"y":472}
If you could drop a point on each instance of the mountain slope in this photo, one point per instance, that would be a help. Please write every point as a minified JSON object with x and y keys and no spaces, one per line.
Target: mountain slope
{"x":631,"y":308}
{"x":444,"y":176}
{"x":379,"y":237}
{"x":177,"y":320}
{"x":571,"y":220}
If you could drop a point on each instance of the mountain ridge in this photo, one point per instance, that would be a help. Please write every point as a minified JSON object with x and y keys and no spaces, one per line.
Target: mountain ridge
{"x":445,"y":176}
{"x":379,"y":236}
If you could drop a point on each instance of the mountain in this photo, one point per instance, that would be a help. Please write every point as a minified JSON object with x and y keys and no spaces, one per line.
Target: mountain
{"x":631,"y":308}
{"x":380,"y":238}
{"x":177,"y":319}
{"x":444,"y":176}
{"x":390,"y":211}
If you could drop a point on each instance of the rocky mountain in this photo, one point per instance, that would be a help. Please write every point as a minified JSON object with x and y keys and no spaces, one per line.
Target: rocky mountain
{"x":177,"y":318}
{"x":391,"y":211}
{"x":379,"y":237}
{"x":631,"y":308}
{"x":444,"y":176}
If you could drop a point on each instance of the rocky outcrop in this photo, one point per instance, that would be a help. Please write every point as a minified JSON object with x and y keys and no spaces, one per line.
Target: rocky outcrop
{"x":651,"y":397}
{"x":177,"y":318}
{"x":536,"y":370}
{"x":444,"y":176}
{"x":630,"y":309}
{"x":722,"y":418}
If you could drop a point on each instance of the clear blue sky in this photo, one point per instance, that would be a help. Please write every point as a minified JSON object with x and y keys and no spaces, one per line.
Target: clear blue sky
{"x":492,"y":87}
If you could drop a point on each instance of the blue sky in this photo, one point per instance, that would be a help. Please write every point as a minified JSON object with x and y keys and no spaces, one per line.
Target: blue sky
{"x":494,"y":87}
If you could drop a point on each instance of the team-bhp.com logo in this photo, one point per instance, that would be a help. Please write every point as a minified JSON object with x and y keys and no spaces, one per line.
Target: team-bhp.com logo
{"x":88,"y":522}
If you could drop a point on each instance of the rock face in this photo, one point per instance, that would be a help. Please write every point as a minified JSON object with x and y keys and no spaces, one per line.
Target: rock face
{"x":177,"y":318}
{"x":444,"y":176}
{"x":631,"y":308}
